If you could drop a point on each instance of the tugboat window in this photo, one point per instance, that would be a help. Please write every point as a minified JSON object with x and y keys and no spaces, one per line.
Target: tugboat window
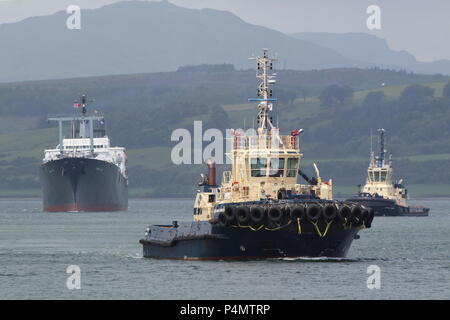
{"x":383,"y":175}
{"x":259,"y":167}
{"x":292,"y":167}
{"x":276,"y":167}
{"x":377,"y":176}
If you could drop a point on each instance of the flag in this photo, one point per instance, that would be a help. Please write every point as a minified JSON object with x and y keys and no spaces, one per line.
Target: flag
{"x":296,"y":132}
{"x":77,"y":105}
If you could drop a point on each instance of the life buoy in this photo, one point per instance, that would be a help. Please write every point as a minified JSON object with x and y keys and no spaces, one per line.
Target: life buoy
{"x":313,"y":212}
{"x":243,"y":214}
{"x":257,"y":214}
{"x":275,"y":214}
{"x":298,"y":212}
{"x":235,"y":186}
{"x":329,"y":212}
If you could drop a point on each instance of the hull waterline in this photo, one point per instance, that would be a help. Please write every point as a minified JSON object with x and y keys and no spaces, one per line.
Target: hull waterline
{"x":388,"y":207}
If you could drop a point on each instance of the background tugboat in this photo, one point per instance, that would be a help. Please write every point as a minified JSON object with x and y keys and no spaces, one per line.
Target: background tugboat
{"x":259,"y":210}
{"x":380,"y":193}
{"x":83,"y":173}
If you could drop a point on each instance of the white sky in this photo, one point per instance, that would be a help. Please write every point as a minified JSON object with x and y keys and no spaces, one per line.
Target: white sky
{"x":418,"y":26}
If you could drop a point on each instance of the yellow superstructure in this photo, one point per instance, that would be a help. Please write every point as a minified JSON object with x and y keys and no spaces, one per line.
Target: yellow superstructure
{"x":379,"y":181}
{"x":264,"y":164}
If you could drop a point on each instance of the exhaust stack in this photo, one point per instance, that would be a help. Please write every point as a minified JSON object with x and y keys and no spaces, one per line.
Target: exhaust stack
{"x":211,"y":172}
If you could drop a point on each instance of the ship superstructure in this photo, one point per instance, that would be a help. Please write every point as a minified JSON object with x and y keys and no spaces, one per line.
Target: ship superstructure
{"x":259,"y":210}
{"x":264,"y":163}
{"x":83,"y":172}
{"x":379,"y":181}
{"x":380,"y":192}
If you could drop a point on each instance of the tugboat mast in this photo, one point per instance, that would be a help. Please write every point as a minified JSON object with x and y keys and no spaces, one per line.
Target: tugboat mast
{"x":380,"y":159}
{"x":264,"y":64}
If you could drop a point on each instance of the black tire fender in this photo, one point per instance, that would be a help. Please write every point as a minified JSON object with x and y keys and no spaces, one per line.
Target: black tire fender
{"x":230,"y":213}
{"x":275,"y":214}
{"x":222,"y":220}
{"x":329,"y":211}
{"x":298,"y":212}
{"x":345,"y":213}
{"x":257,"y":214}
{"x":243,"y":214}
{"x":313,"y":212}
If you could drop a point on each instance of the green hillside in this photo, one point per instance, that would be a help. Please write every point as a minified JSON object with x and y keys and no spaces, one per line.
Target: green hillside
{"x":143,"y":110}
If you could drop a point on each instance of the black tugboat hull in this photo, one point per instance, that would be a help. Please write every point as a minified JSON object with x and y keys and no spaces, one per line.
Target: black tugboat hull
{"x":388,"y":207}
{"x":228,"y":243}
{"x":83,"y":184}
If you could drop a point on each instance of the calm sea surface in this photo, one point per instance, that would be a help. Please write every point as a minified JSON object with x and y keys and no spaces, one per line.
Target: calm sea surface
{"x":36,"y":248}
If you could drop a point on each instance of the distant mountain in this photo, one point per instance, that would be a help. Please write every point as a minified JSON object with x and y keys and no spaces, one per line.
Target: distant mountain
{"x":369,"y":50}
{"x":140,"y":36}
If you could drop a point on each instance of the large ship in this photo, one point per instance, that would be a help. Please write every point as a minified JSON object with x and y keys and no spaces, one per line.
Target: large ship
{"x":259,"y":210}
{"x":381,"y":193}
{"x":83,"y":172}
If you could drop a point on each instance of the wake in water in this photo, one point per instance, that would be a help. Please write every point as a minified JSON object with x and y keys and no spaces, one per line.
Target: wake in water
{"x":325,"y":259}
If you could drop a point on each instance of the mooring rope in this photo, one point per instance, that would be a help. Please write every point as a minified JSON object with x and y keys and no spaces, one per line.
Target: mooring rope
{"x":299,"y":226}
{"x":280,"y":227}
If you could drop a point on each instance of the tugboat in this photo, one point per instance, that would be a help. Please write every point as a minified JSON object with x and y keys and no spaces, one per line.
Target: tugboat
{"x":83,"y":172}
{"x":380,"y":193}
{"x":259,"y":211}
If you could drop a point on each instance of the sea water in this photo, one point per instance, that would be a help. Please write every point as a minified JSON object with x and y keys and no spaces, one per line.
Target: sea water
{"x":412,"y":255}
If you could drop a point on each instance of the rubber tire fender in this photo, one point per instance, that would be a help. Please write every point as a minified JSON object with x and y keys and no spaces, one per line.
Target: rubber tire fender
{"x":314,"y":212}
{"x":257,"y":214}
{"x":329,"y":211}
{"x":275,"y":214}
{"x":368,"y":216}
{"x":222,"y":220}
{"x":243,"y":214}
{"x":298,"y":212}
{"x":357,"y":213}
{"x":230,"y":213}
{"x":345,"y":213}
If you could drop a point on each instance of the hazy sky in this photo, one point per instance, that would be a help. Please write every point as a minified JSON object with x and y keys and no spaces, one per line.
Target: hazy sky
{"x":418,"y":26}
